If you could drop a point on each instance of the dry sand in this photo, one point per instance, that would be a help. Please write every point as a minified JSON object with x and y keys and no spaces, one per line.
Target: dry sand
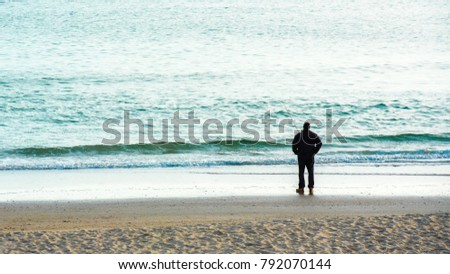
{"x":229,"y":225}
{"x":377,"y":234}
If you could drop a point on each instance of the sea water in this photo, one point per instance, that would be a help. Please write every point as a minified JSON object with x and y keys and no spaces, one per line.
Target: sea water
{"x":68,"y":66}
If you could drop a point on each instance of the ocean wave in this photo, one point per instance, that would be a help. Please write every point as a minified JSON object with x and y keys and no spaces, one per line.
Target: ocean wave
{"x":227,"y":146}
{"x":209,"y":159}
{"x":371,"y":149}
{"x":404,"y":137}
{"x":155,"y":148}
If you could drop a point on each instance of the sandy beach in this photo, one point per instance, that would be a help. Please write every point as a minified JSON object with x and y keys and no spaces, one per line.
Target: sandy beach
{"x":286,"y":224}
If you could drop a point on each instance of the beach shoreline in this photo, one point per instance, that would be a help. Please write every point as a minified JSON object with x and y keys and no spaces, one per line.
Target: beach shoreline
{"x":227,"y":181}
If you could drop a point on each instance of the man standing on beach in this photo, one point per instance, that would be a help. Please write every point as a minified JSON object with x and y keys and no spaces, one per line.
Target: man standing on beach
{"x":305,"y":145}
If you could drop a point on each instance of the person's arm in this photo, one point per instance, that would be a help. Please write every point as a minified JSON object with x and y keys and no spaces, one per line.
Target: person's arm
{"x":318,"y":145}
{"x":295,"y":143}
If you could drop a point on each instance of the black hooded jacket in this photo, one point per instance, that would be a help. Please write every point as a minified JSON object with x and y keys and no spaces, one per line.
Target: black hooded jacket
{"x":306,"y":144}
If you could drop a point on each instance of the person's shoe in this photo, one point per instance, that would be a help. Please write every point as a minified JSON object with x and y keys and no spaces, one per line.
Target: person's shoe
{"x":311,"y":191}
{"x":300,"y":191}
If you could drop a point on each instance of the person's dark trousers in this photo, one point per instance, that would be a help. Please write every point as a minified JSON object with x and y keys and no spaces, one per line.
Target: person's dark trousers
{"x":309,"y":164}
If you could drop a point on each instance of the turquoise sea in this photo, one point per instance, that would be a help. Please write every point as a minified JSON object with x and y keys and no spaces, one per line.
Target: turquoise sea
{"x":67,"y":66}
